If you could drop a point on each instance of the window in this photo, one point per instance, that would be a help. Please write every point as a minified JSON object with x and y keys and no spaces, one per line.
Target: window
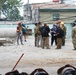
{"x":56,"y":16}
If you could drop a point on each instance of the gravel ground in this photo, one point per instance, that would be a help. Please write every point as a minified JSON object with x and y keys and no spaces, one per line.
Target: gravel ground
{"x":48,"y":59}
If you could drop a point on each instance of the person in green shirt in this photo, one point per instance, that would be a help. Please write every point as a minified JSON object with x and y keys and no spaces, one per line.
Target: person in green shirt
{"x":24,"y":31}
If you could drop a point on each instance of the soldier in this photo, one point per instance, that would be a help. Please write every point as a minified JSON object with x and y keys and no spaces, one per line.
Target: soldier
{"x":45,"y":36}
{"x":35,"y":33}
{"x":74,"y":36}
{"x":39,"y":38}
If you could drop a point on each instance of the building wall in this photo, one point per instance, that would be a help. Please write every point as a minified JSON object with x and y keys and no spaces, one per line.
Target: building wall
{"x":31,"y":14}
{"x":27,"y":13}
{"x":68,"y":1}
{"x":67,"y":17}
{"x":35,"y":15}
{"x":45,"y":17}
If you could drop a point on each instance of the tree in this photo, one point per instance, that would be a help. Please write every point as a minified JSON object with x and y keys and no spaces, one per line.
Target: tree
{"x":1,"y":5}
{"x":10,"y":9}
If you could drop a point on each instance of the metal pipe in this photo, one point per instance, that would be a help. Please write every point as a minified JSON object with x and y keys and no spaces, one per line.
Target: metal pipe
{"x":7,"y":32}
{"x":17,"y":62}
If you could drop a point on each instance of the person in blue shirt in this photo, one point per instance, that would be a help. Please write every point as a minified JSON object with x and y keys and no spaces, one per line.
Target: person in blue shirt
{"x":53,"y":35}
{"x":24,"y":31}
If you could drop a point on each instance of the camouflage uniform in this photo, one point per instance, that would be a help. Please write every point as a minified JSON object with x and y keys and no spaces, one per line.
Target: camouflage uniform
{"x":45,"y":36}
{"x":39,"y":38}
{"x":74,"y":37}
{"x":35,"y":34}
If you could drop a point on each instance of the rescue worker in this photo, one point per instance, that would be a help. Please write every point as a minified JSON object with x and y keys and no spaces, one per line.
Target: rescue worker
{"x":19,"y":33}
{"x":59,"y":34}
{"x":64,"y":29}
{"x":59,"y":23}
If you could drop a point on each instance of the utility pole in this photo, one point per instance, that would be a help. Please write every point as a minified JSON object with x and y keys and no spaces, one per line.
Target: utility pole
{"x":28,"y":2}
{"x":28,"y":11}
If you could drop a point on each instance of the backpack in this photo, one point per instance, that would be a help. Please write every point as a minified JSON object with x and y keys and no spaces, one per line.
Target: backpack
{"x":44,"y":31}
{"x":62,"y":33}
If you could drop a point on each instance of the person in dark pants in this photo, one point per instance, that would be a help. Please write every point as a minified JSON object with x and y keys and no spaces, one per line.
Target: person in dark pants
{"x":35,"y":33}
{"x":53,"y":35}
{"x":59,"y":34}
{"x":64,"y":29}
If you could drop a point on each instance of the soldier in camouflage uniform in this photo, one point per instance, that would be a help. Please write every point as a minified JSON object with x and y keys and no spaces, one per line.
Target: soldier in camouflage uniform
{"x":35,"y":33}
{"x":74,"y":36}
{"x":39,"y":37}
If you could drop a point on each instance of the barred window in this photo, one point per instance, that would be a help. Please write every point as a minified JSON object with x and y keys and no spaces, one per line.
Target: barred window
{"x":56,"y":16}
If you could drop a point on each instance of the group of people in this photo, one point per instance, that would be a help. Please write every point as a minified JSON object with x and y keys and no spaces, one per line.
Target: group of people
{"x":21,"y":33}
{"x":41,"y":33}
{"x":58,"y":34}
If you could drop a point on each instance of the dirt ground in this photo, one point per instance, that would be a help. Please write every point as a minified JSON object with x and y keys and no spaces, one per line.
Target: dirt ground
{"x":48,"y":59}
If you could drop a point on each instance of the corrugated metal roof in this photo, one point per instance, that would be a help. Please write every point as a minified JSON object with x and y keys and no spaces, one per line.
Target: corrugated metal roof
{"x":53,"y":6}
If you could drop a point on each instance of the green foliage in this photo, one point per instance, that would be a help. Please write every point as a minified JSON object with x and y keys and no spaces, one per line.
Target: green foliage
{"x":10,"y":9}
